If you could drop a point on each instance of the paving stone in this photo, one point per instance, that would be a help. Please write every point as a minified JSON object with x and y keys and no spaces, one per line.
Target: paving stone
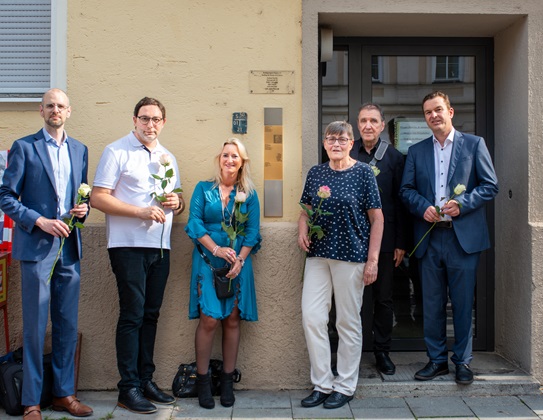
{"x":534,"y":402}
{"x":262,"y":399}
{"x":262,"y":413}
{"x":163,"y":413}
{"x":503,"y":407}
{"x":439,"y":407}
{"x":188,"y":408}
{"x":375,"y":402}
{"x":382,"y":413}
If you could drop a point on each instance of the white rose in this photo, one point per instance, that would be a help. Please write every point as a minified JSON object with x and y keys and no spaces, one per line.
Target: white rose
{"x":84,"y":190}
{"x":165,"y":159}
{"x":240,"y":197}
{"x":459,"y":189}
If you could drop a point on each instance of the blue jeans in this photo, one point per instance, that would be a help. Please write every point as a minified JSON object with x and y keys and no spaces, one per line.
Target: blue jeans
{"x":141,"y":276}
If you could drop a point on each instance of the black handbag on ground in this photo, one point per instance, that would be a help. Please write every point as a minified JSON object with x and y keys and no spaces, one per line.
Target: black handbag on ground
{"x":184,"y":382}
{"x":11,"y":383}
{"x":223,"y":285}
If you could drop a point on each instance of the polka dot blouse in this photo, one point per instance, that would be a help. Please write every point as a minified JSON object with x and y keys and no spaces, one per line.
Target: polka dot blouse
{"x":354,"y":191}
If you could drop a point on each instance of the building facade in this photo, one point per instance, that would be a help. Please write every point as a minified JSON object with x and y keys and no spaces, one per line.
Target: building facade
{"x":289,"y":66}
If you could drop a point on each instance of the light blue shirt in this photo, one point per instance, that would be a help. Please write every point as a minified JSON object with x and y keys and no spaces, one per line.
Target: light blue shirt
{"x":442,"y":159}
{"x":62,"y":170}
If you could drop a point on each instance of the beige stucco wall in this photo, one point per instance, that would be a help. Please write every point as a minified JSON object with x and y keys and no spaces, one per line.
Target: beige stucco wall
{"x":519,"y":215}
{"x":513,"y":286}
{"x":195,"y":57}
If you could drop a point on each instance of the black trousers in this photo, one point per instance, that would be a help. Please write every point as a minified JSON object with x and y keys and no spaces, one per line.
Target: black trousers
{"x":383,"y":307}
{"x":141,"y":275}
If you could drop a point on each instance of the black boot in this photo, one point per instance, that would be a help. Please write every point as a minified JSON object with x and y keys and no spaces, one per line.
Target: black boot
{"x":227,"y":389}
{"x":205,"y":398}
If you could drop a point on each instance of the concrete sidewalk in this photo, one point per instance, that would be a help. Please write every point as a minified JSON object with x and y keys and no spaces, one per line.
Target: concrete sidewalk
{"x":286,"y":405}
{"x":500,"y":391}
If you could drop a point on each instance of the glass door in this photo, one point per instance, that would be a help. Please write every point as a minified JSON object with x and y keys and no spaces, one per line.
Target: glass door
{"x":397,"y":74}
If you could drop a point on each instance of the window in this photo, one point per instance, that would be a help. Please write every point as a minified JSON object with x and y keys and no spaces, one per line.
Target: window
{"x":32,"y":48}
{"x":447,"y":68}
{"x":376,"y":69}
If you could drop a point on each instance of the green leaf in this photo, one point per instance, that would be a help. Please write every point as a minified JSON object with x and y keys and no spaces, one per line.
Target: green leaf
{"x":326,"y":213}
{"x":177,"y":190}
{"x":320,"y":234}
{"x":243,"y":217}
{"x":156,"y":177}
{"x":307,"y":210}
{"x":169,"y":173}
{"x":229,"y":231}
{"x":160,"y":198}
{"x":164,"y":184}
{"x":79,"y":225}
{"x":316,"y":228}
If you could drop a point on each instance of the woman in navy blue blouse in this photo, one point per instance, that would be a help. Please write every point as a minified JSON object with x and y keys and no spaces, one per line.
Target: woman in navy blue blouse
{"x":341,"y":263}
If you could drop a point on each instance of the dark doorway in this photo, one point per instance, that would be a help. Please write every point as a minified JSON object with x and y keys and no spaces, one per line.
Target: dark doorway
{"x":397,"y":73}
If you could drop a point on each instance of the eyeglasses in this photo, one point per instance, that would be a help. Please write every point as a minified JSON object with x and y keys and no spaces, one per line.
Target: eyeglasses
{"x":60,"y":107}
{"x":145,"y":120}
{"x":332,"y":140}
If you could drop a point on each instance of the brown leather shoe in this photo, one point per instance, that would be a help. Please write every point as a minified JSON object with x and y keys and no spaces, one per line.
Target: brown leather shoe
{"x":72,"y":406}
{"x":32,"y":412}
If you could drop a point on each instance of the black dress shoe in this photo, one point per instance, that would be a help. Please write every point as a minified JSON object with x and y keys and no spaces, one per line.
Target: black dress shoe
{"x":336,"y":400}
{"x":316,"y":398}
{"x":384,"y":364}
{"x":464,"y":375}
{"x":133,"y":400}
{"x":431,"y":370}
{"x":154,"y":394}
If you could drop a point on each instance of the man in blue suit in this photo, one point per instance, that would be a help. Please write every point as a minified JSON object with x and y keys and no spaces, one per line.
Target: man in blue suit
{"x":39,"y":190}
{"x":449,"y":254}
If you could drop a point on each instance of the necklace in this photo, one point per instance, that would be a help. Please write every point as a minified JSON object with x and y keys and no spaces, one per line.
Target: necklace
{"x":227,"y":216}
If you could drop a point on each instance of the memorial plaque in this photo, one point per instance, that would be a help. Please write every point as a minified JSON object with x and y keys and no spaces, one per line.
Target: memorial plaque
{"x":262,"y":81}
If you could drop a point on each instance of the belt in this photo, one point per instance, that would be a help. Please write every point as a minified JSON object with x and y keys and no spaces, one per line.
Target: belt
{"x":446,"y":224}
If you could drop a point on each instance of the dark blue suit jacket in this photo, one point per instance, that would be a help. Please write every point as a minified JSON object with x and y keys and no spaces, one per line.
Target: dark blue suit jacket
{"x":28,"y":191}
{"x":471,"y":166}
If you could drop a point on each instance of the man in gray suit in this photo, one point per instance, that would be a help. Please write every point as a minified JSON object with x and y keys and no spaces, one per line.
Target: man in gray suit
{"x":39,"y":190}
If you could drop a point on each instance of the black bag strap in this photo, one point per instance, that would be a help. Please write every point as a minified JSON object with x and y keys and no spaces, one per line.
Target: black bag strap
{"x":379,"y":153}
{"x":204,"y":256}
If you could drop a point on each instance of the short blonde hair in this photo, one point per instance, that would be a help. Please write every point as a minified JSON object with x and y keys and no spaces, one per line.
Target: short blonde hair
{"x":244,"y":181}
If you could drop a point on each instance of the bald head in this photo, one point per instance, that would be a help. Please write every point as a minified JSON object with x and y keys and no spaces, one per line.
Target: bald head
{"x":55,"y":109}
{"x":55,"y":91}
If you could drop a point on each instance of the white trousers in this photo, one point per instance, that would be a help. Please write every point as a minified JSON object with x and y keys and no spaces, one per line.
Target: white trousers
{"x":322,"y":278}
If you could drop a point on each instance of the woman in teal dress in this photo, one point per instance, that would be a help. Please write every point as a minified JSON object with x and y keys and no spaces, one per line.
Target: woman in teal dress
{"x":211,"y":206}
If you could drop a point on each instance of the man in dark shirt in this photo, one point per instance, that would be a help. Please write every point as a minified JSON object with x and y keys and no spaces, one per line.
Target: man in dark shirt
{"x":388,"y":166}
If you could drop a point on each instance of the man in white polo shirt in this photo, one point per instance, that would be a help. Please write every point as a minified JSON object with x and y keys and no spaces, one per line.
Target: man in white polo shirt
{"x":138,"y":188}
